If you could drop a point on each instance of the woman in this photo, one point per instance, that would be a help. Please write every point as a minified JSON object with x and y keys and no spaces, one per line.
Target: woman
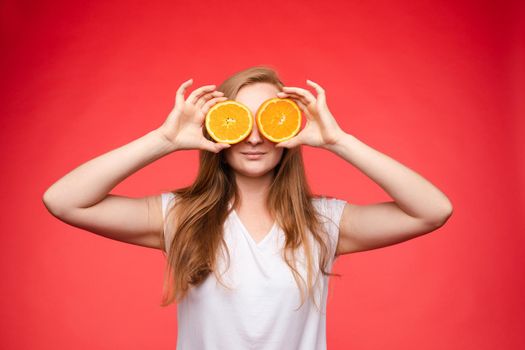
{"x":247,"y":241}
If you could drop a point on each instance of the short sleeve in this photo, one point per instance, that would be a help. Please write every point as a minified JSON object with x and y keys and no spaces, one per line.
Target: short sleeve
{"x":167,"y":202}
{"x":332,"y":211}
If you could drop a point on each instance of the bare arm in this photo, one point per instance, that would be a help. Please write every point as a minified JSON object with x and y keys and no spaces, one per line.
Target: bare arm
{"x":419,"y":207}
{"x":91,"y":182}
{"x":81,"y":198}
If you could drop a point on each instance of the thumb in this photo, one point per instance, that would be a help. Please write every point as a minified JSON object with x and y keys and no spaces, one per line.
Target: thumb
{"x":216,"y":147}
{"x":288,"y":143}
{"x":223,"y":146}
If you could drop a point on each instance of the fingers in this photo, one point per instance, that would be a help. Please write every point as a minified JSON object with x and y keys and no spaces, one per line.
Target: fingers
{"x":211,"y":102}
{"x":302,"y":106}
{"x":197,"y":93}
{"x":291,"y":143}
{"x":321,"y":96}
{"x":305,"y":95}
{"x":301,"y":101}
{"x":198,"y":97}
{"x":215,"y":147}
{"x":297,"y":98}
{"x":206,"y":97}
{"x":179,"y":97}
{"x":316,"y":86}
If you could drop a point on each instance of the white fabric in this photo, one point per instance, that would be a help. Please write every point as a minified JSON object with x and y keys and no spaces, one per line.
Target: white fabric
{"x":259,"y":312}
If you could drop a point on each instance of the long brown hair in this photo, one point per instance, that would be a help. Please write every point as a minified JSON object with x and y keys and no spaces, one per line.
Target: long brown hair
{"x":203,"y":207}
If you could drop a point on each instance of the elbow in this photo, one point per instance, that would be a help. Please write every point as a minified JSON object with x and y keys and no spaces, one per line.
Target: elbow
{"x":50,"y":208}
{"x":445,"y":217}
{"x":444,"y":214}
{"x":46,"y":199}
{"x":51,"y":205}
{"x":447,"y":212}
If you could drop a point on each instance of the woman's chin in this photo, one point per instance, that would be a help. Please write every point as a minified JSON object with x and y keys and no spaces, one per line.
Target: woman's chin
{"x":254,"y":172}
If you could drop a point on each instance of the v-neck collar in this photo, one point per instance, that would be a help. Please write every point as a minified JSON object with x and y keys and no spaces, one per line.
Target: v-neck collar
{"x":248,"y":234}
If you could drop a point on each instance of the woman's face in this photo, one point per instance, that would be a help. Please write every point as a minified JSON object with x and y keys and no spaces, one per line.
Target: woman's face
{"x":252,"y":96}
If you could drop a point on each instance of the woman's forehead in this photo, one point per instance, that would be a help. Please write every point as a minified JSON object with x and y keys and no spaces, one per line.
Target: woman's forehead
{"x":255,"y":94}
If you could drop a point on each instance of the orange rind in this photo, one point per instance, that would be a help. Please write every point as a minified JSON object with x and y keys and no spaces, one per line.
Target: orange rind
{"x":229,"y":122}
{"x":279,"y":119}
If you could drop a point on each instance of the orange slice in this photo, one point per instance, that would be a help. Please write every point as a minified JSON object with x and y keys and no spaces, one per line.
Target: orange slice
{"x":279,"y":119}
{"x":229,"y":122}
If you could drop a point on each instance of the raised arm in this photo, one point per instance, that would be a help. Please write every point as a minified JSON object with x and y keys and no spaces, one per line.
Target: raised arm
{"x":81,"y":198}
{"x":418,"y":207}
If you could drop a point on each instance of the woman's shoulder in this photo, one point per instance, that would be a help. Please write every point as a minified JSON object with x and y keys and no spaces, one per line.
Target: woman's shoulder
{"x":329,"y":206}
{"x":327,"y":201}
{"x":168,"y":195}
{"x":167,"y":199}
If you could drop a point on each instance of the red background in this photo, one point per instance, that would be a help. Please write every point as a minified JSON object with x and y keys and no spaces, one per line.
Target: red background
{"x":437,"y":85}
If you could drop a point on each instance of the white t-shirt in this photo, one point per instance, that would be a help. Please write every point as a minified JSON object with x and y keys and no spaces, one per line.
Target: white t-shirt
{"x":259,"y":312}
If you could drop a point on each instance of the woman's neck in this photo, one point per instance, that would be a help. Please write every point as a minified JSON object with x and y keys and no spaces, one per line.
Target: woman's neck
{"x":253,"y":190}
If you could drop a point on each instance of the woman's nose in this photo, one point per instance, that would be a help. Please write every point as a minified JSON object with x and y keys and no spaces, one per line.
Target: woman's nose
{"x":255,"y":137}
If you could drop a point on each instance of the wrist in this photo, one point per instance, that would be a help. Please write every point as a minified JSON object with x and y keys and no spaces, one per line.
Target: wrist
{"x":164,"y":142}
{"x":336,"y":141}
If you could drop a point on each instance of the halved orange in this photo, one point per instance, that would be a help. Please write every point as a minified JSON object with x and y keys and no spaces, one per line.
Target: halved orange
{"x":279,"y":119}
{"x":229,"y":122}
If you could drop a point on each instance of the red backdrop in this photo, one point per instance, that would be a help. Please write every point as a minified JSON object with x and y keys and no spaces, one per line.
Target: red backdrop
{"x":432,"y":84}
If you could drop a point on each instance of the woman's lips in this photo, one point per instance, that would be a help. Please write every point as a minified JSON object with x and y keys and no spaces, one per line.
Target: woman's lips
{"x":253,"y":155}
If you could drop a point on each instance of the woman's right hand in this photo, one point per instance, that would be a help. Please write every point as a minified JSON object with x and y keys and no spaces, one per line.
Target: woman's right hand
{"x":184,"y":125}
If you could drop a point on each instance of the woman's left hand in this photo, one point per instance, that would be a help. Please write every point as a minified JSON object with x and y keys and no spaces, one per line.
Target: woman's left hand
{"x":321,"y":128}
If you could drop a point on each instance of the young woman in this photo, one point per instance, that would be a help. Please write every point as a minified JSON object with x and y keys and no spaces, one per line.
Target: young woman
{"x":249,"y":248}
